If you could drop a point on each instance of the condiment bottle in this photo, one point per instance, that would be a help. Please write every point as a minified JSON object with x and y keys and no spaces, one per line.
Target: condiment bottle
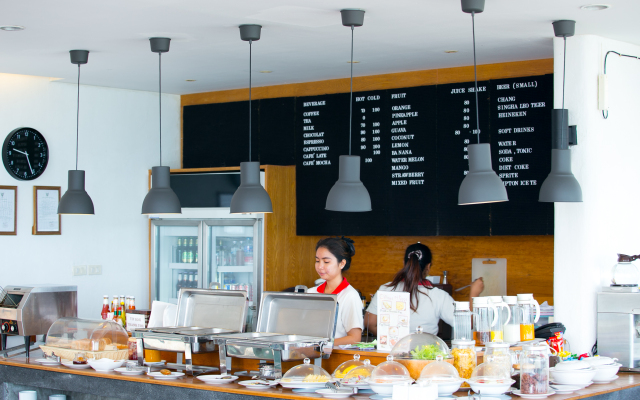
{"x":464,"y":357}
{"x":512,"y":327}
{"x":498,"y":353}
{"x":105,"y":306}
{"x":485,"y":316}
{"x":526,"y":306}
{"x":462,"y":317}
{"x":504,"y":315}
{"x":534,"y":369}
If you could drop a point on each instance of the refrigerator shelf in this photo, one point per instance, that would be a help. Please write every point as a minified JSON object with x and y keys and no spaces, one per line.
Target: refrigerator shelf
{"x":193,"y":266}
{"x":231,"y":268}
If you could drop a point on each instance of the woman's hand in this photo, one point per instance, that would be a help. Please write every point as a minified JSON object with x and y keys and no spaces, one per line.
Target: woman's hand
{"x":477,"y":287}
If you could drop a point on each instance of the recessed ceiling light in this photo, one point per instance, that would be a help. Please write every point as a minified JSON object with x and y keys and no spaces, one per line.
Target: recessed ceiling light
{"x":596,"y":7}
{"x":11,"y":28}
{"x":266,"y":72}
{"x":451,"y":51}
{"x":355,"y":62}
{"x":189,"y":80}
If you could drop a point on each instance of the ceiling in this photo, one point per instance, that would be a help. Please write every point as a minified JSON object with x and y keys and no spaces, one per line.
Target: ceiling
{"x":301,"y":40}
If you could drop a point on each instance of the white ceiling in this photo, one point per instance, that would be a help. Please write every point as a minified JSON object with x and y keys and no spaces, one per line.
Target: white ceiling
{"x":301,"y":40}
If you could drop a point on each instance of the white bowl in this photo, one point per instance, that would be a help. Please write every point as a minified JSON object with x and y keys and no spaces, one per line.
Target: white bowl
{"x":575,"y":377}
{"x":597,"y":361}
{"x":387,"y":388}
{"x":572,"y":365}
{"x":445,"y":387}
{"x":606,"y":372}
{"x":105,"y":364}
{"x":490,"y":388}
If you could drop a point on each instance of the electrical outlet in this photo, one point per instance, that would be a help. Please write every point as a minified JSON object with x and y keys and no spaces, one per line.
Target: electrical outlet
{"x":79,"y":270}
{"x":95,"y":269}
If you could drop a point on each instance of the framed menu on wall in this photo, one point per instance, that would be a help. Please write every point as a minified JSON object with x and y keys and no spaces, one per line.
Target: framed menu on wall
{"x":8,"y":210}
{"x":46,"y":220}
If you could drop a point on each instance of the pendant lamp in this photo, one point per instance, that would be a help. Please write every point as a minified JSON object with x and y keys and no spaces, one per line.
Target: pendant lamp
{"x":250,"y":197}
{"x":348,"y":194}
{"x":561,"y":185}
{"x":76,"y":200}
{"x":161,"y":199}
{"x":482,"y":184}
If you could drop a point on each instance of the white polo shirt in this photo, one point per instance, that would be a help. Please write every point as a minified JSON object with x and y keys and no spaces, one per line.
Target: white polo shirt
{"x":434,"y":305}
{"x":349,"y":308}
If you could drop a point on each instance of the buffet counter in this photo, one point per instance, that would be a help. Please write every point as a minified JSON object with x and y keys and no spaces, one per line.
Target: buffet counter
{"x":18,"y":374}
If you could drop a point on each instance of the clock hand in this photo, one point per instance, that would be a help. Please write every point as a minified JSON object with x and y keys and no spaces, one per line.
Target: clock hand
{"x":29,"y":162}
{"x":20,"y":151}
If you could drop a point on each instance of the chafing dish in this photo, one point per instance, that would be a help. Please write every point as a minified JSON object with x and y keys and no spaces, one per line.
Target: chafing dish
{"x":202,"y":315}
{"x":308,"y":320}
{"x":32,"y":309}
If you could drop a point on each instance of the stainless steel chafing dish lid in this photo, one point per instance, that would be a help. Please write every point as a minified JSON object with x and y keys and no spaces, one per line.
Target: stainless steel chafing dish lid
{"x":209,"y":308}
{"x":306,"y":314}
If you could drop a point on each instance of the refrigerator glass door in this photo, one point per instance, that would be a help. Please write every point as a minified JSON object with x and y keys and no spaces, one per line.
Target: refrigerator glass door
{"x":176,"y":258}
{"x":234,"y":259}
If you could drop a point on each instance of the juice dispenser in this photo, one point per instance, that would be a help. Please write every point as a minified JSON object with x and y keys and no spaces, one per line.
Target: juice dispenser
{"x":526,"y":306}
{"x":512,"y":327}
{"x":485,"y":316}
{"x":504,"y":315}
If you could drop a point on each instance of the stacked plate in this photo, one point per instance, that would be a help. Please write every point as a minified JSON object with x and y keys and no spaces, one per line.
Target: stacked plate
{"x":606,"y":368}
{"x":577,"y":373}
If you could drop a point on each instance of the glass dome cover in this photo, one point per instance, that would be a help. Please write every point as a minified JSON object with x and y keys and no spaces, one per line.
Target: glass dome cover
{"x":420,"y":346}
{"x":390,"y":371}
{"x":346,"y":367}
{"x":490,"y":372}
{"x":306,"y":372}
{"x":87,"y":335}
{"x":359,"y":374}
{"x":439,"y":370}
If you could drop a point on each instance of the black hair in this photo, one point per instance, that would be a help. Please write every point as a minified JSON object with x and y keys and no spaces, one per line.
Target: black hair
{"x":416,"y":259}
{"x":341,"y":247}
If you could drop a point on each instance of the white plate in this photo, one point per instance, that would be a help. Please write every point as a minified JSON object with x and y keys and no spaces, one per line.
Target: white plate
{"x":155,"y":363}
{"x":606,"y":380}
{"x":158,"y":375}
{"x":44,"y":361}
{"x":360,"y":386}
{"x":217,"y":379}
{"x":581,"y":386}
{"x":534,"y":396}
{"x":70,"y":364}
{"x":564,"y":389}
{"x":257,"y":385}
{"x":476,"y":397}
{"x":303,"y":385}
{"x":330,"y":394}
{"x":125,"y":371}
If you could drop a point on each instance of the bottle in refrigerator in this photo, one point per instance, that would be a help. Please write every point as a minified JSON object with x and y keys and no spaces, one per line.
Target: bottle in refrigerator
{"x":190,"y":281}
{"x":195,"y":280}
{"x":191,"y":242}
{"x":105,"y":306}
{"x":179,"y":285}
{"x":248,"y":255}
{"x":185,"y":256}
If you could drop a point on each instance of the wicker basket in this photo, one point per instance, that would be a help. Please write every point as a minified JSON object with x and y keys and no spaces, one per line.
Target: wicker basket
{"x":70,"y":354}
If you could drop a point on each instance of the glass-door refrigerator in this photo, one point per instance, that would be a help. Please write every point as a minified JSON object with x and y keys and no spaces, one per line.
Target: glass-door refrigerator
{"x":224,"y":253}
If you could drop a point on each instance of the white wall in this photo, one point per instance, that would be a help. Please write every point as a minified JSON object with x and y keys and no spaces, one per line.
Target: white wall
{"x":118,"y":144}
{"x":588,"y":235}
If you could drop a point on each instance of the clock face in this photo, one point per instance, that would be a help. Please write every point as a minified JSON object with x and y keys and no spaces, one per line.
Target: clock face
{"x":25,"y":154}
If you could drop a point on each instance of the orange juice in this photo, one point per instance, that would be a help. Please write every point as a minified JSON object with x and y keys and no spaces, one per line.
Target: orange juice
{"x":152,"y":355}
{"x":527,"y":332}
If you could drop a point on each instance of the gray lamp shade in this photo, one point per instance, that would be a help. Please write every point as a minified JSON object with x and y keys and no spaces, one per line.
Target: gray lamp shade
{"x":482,"y":184}
{"x":348,"y":194}
{"x":161,"y":199}
{"x":250,"y":197}
{"x":560,"y":185}
{"x":76,"y":200}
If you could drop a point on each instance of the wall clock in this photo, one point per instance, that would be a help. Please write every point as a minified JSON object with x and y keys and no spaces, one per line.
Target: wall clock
{"x":25,"y":154}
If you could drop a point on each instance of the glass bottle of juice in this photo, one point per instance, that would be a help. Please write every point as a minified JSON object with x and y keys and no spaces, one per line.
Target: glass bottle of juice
{"x":484,"y":318}
{"x":105,"y":306}
{"x":529,"y":313}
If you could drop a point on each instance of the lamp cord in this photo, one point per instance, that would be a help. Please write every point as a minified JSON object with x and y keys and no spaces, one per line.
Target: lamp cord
{"x":351,"y":96}
{"x":160,"y":99}
{"x":78,"y":118}
{"x":475,"y":72}
{"x":564,"y":67}
{"x":605,"y":113}
{"x":250,"y":42}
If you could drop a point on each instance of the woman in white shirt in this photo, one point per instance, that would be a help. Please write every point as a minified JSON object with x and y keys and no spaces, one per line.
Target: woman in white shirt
{"x":333,"y":257}
{"x":429,"y":304}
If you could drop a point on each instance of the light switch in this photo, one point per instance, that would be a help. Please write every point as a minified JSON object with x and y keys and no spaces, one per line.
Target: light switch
{"x":79,"y":270}
{"x":95,"y":269}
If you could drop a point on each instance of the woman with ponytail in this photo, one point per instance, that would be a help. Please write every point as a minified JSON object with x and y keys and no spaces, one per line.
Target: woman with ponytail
{"x":333,"y":257}
{"x":428,"y":304}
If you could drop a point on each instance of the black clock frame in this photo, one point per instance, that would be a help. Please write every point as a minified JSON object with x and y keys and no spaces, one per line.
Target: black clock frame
{"x":5,"y":156}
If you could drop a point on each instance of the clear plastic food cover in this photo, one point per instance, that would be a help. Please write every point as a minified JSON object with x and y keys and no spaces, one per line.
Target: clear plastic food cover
{"x":359,"y":374}
{"x":490,"y":372}
{"x":87,"y":335}
{"x":440,"y":371}
{"x":344,"y":368}
{"x":307,"y":373}
{"x":420,"y":346}
{"x":390,"y":371}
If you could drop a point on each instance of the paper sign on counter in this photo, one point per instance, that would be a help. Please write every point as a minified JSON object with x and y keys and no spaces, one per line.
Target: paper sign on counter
{"x":393,"y":318}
